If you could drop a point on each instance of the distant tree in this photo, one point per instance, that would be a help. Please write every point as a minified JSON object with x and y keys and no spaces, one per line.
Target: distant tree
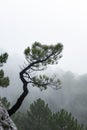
{"x":20,"y":119}
{"x":63,"y":120}
{"x":38,"y":116}
{"x":38,"y":58}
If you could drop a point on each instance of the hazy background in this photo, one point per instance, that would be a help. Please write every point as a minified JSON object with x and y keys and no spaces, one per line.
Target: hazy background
{"x":22,"y":22}
{"x":48,"y":21}
{"x":72,"y":96}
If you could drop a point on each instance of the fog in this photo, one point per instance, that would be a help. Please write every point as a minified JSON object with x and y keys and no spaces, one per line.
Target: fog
{"x":49,"y":22}
{"x":72,"y":96}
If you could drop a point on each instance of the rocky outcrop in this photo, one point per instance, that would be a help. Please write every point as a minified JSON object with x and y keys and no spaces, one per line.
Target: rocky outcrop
{"x":5,"y":121}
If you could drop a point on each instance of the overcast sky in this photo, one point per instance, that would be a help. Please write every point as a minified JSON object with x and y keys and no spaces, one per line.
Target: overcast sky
{"x":47,"y":21}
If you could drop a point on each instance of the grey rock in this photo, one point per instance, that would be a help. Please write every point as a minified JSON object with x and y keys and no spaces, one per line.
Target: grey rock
{"x":6,"y":122}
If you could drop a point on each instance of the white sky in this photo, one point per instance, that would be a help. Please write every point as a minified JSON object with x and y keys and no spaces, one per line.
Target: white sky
{"x":47,"y":21}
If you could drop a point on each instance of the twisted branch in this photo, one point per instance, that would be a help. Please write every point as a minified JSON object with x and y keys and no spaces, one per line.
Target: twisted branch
{"x":17,"y":105}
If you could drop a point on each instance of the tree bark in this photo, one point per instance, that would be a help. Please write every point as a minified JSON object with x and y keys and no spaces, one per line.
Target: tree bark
{"x":17,"y":105}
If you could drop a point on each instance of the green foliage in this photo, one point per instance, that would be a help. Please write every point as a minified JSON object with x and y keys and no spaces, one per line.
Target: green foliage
{"x":3,"y":58}
{"x":20,"y":119}
{"x":4,"y":81}
{"x":39,"y":57}
{"x":40,"y":52}
{"x":63,"y":120}
{"x":42,"y":81}
{"x":5,"y":102}
{"x":36,"y":118}
{"x":40,"y":117}
{"x":27,"y":51}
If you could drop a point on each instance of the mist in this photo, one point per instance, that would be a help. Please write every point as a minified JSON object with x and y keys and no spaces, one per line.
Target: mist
{"x":72,"y":95}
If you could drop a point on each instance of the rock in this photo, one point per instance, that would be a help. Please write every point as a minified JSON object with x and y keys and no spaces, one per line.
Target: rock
{"x":6,"y":122}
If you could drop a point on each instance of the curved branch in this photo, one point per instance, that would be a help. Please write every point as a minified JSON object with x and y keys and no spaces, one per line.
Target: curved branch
{"x":20,"y":99}
{"x":17,"y":105}
{"x":36,"y":62}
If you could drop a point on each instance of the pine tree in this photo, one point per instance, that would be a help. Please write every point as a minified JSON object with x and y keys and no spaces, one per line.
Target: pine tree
{"x":38,"y":116}
{"x":4,"y":81}
{"x":63,"y":120}
{"x":38,"y":58}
